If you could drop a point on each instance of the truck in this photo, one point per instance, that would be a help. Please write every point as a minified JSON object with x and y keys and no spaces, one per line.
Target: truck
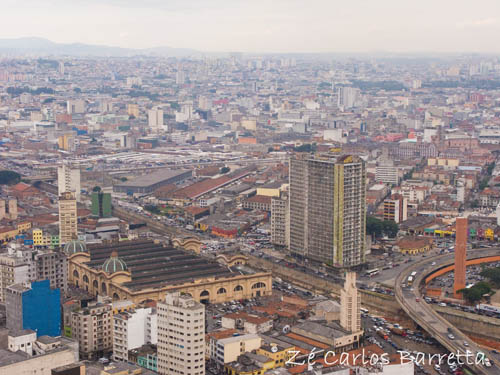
{"x":382,"y":334}
{"x":398,"y":331}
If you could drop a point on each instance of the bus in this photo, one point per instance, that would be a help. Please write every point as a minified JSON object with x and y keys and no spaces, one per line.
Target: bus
{"x":414,"y":273}
{"x":410,"y":280}
{"x":372,"y":272}
{"x":363,"y":310}
{"x":482,"y":307}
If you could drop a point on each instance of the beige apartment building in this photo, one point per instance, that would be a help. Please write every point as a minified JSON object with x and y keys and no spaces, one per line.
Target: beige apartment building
{"x":181,"y":335}
{"x":92,"y":328}
{"x":68,"y":218}
{"x":13,"y":270}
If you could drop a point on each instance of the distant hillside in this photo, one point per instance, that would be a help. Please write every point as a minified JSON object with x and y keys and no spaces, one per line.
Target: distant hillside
{"x":41,"y":46}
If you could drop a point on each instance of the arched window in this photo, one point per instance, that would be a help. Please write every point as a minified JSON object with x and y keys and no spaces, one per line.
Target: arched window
{"x":85,"y":279}
{"x":104,"y":289}
{"x":95,"y":284}
{"x":238,"y":288}
{"x":116,"y":296}
{"x":75,"y":274}
{"x":258,"y":285}
{"x":221,"y":291}
{"x":205,"y":293}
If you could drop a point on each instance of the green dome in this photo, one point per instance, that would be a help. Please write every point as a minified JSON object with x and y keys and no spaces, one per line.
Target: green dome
{"x":114,"y":264}
{"x":75,"y":246}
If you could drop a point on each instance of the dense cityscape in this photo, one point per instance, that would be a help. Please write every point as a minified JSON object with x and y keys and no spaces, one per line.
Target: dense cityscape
{"x":249,"y":214}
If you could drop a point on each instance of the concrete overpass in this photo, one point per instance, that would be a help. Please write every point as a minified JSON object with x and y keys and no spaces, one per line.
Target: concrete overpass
{"x":411,"y":301}
{"x":40,"y":178}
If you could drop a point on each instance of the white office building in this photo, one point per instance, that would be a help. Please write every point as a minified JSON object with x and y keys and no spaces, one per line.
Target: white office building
{"x":68,"y":180}
{"x":133,"y":329}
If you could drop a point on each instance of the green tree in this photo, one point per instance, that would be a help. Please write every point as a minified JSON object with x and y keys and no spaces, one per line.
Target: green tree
{"x":374,"y":226}
{"x":123,"y":179}
{"x":96,"y":189}
{"x":153,"y":209}
{"x":390,"y":228}
{"x":493,"y":275}
{"x":9,"y":177}
{"x":224,"y":170}
{"x":476,"y":292}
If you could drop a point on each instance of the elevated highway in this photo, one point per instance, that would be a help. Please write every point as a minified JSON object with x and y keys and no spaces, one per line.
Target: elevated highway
{"x":411,"y":300}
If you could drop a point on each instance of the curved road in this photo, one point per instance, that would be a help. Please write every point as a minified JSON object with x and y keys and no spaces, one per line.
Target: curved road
{"x":425,"y":316}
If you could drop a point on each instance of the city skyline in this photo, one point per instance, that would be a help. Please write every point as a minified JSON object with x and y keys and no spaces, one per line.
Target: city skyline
{"x":262,"y":27}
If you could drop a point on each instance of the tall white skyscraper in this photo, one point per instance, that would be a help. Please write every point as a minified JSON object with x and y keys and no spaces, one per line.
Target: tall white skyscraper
{"x":181,"y":335}
{"x":68,"y":180}
{"x":180,"y":77}
{"x":155,"y":119}
{"x":347,"y":97}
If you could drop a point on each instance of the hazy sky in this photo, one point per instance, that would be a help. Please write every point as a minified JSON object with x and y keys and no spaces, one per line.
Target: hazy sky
{"x":262,"y":25}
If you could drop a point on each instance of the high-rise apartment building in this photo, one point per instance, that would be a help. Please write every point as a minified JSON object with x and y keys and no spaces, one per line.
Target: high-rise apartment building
{"x":181,"y":336}
{"x":279,"y":220}
{"x":52,"y":266}
{"x":347,"y":97}
{"x":133,"y":329}
{"x":75,"y":106}
{"x":101,"y":204}
{"x":350,"y":304}
{"x":67,"y":217}
{"x":8,"y":208}
{"x":13,"y":270}
{"x":387,"y":174}
{"x":180,"y":77}
{"x":328,"y":209}
{"x":92,"y":328}
{"x":133,"y":110}
{"x":68,"y":180}
{"x":155,"y":119}
{"x":396,"y":208}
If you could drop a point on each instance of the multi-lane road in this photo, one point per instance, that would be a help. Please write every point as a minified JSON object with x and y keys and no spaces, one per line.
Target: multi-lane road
{"x":411,"y":300}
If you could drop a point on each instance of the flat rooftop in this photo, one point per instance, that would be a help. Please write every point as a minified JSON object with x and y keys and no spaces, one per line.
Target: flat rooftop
{"x":153,"y":178}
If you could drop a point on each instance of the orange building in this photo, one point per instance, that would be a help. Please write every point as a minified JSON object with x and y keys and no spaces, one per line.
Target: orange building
{"x":247,"y":140}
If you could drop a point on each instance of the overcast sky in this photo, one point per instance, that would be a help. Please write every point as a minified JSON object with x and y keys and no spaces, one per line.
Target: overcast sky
{"x":262,"y":25}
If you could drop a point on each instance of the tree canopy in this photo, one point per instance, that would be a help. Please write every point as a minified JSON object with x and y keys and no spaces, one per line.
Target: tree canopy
{"x":493,"y":275}
{"x":378,"y":228}
{"x":9,"y":177}
{"x":476,"y":292}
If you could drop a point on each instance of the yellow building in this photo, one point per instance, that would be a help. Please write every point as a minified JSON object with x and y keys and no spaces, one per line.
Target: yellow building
{"x":64,"y":142}
{"x":280,"y":352}
{"x":133,"y":110}
{"x":489,"y":234}
{"x":38,"y":239}
{"x":249,"y":364}
{"x":270,"y":190}
{"x":443,"y":162}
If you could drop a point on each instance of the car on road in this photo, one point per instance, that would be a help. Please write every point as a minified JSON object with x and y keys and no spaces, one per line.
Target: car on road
{"x":466,"y":343}
{"x":451,"y":337}
{"x":417,"y":299}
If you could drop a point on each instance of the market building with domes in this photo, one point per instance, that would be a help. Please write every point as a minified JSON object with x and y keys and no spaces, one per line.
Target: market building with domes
{"x":144,"y":269}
